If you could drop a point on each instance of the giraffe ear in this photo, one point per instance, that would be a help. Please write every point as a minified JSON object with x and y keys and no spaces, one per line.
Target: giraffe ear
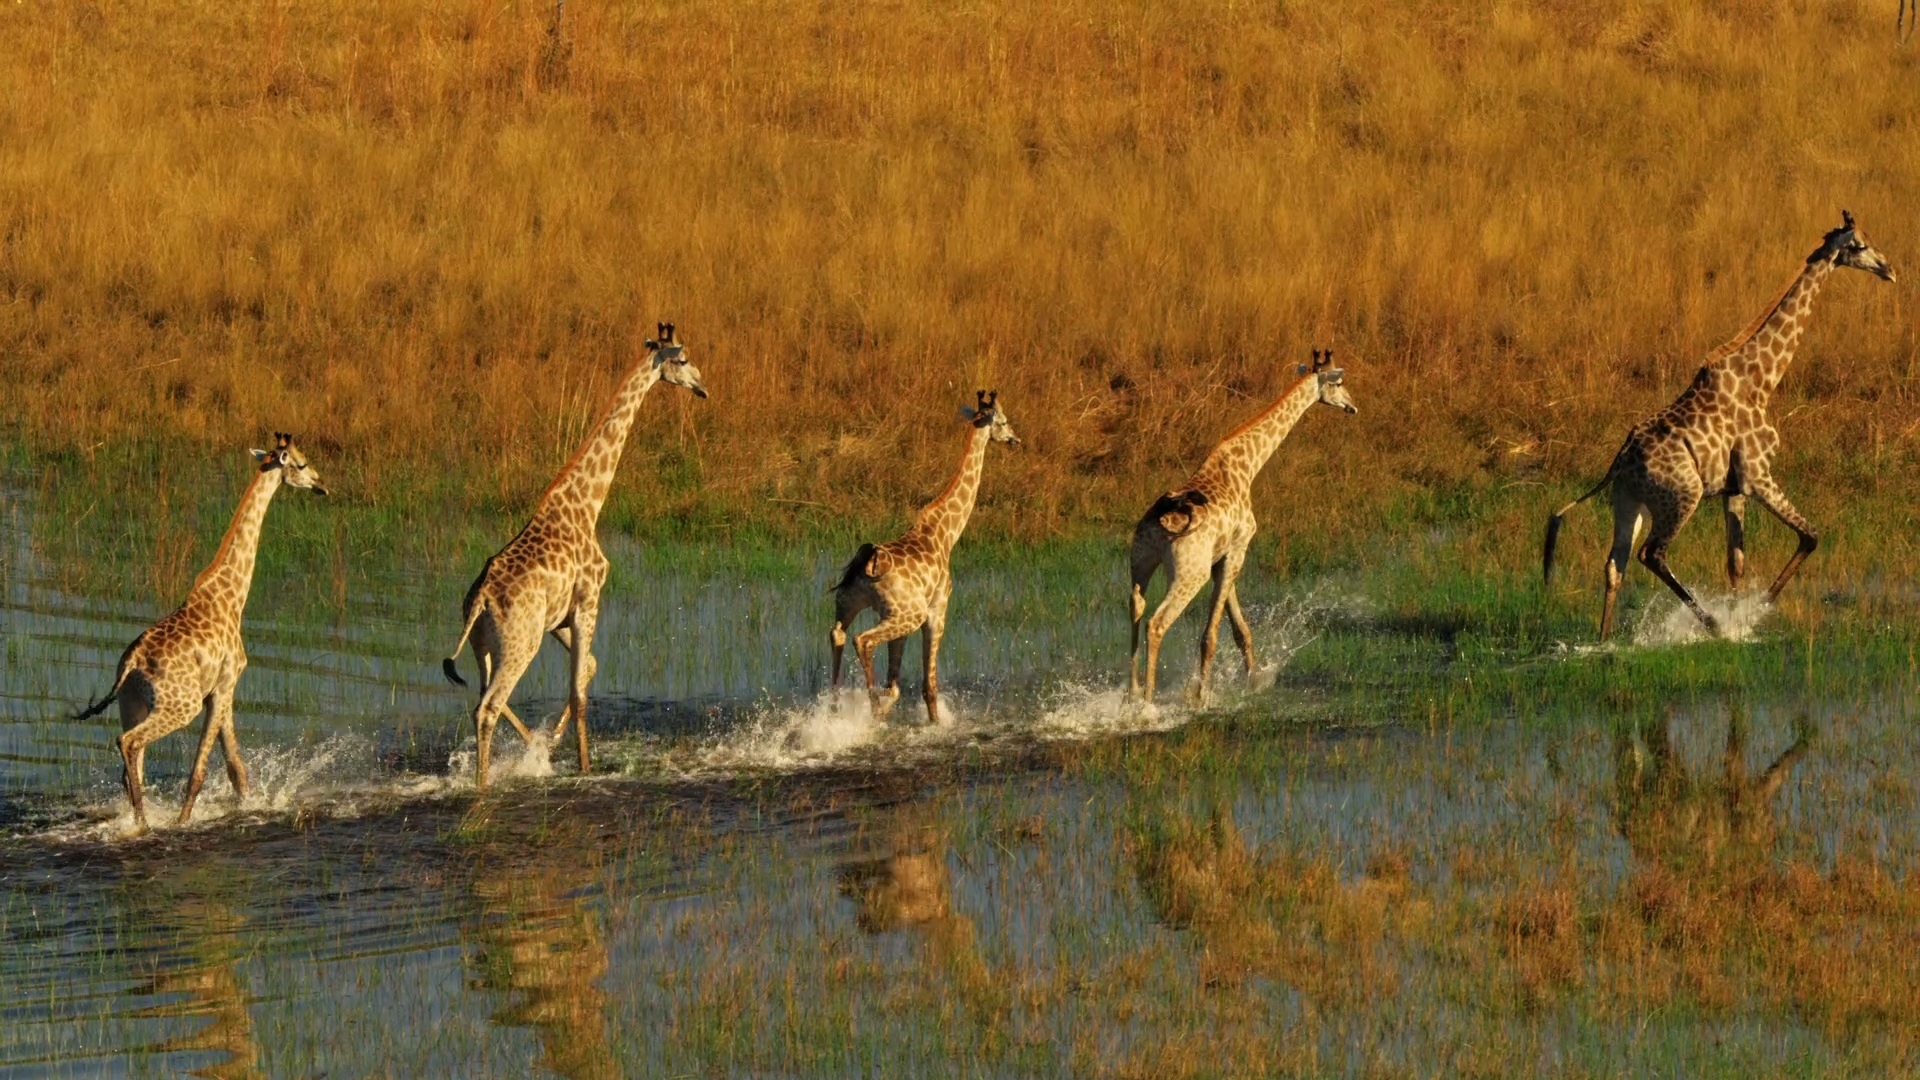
{"x":1301,"y":368}
{"x":653,"y":345}
{"x":968,"y":412}
{"x":268,"y":460}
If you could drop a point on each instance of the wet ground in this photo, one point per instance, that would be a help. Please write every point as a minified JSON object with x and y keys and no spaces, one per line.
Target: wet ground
{"x":760,"y":880}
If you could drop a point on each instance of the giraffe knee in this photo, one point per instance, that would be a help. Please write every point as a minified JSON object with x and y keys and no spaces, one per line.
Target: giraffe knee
{"x":838,"y":636}
{"x":1138,"y":602}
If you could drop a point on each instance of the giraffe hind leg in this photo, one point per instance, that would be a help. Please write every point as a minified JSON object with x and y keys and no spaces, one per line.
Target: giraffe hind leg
{"x":1654,"y":557}
{"x":1736,"y":507}
{"x":1628,"y":515}
{"x":1242,"y":631}
{"x":199,"y":775}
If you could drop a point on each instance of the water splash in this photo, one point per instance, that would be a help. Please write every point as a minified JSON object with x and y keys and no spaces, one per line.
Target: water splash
{"x":340,"y":776}
{"x":1666,"y":621}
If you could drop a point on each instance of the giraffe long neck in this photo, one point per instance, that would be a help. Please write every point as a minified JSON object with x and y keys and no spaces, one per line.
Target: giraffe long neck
{"x":945,"y":518}
{"x":1244,"y":453}
{"x":581,"y":488}
{"x":1762,"y":352}
{"x":230,"y":575}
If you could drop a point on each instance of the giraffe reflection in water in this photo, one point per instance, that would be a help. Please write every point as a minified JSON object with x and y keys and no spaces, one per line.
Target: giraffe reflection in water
{"x":1672,"y":817}
{"x":911,"y":887}
{"x":198,"y":982}
{"x":537,"y":937}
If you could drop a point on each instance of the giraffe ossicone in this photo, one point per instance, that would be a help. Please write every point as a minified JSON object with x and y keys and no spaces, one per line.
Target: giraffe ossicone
{"x":1201,"y":529}
{"x":547,"y":580}
{"x":907,"y":580}
{"x":190,"y":661}
{"x":1715,"y":440}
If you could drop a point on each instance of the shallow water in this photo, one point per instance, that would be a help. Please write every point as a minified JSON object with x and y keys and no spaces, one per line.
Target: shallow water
{"x":760,"y":879}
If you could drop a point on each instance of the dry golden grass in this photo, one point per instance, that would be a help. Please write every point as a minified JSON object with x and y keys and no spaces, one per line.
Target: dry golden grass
{"x":428,"y":235}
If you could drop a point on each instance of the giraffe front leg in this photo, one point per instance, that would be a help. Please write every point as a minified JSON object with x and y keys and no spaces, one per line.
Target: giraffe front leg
{"x":1775,"y":500}
{"x":199,"y":774}
{"x":1736,"y":508}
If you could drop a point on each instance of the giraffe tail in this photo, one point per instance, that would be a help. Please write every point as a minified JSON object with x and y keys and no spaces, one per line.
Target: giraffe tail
{"x":854,"y":568}
{"x":1554,"y":523}
{"x":119,"y":680}
{"x":476,"y":603}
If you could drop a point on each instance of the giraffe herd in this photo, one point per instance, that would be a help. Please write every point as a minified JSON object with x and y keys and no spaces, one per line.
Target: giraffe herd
{"x":1715,"y":440}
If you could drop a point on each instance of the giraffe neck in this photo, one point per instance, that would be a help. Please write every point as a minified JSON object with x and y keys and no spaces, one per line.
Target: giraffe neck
{"x":581,"y":488}
{"x":1761,"y":353}
{"x":230,"y":575}
{"x":1242,"y":454}
{"x":946,"y":517}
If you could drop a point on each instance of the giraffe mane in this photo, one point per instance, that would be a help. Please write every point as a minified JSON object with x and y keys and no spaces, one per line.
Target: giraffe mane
{"x":1738,"y":341}
{"x":1263,"y":413}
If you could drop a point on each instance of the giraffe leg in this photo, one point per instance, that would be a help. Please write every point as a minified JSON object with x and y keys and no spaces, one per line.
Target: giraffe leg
{"x":851,"y":601}
{"x":1666,"y":523}
{"x":896,"y":654}
{"x":230,"y":749}
{"x":1242,"y":632}
{"x":487,"y":651}
{"x":584,"y":667}
{"x":142,"y":723}
{"x":930,"y":635}
{"x":1188,"y":577}
{"x":1143,"y":561}
{"x":199,"y":774}
{"x":1764,"y":489}
{"x":1210,"y":635}
{"x":1627,"y":517}
{"x":895,"y":627}
{"x":513,"y":664}
{"x":564,"y":636}
{"x":1736,"y":508}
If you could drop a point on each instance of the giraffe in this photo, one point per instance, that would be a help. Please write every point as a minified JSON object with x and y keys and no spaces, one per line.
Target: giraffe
{"x":191,"y":660}
{"x":1201,"y":529}
{"x":907,"y":580}
{"x":1715,"y":440}
{"x":547,"y":579}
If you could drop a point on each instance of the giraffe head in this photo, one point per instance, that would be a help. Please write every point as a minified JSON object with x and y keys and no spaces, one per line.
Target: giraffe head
{"x":987,"y":414}
{"x":671,"y":358}
{"x":291,"y":462}
{"x":1333,"y":387}
{"x":1845,"y":246}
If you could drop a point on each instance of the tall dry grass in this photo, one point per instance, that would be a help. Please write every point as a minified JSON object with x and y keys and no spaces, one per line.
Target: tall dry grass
{"x":428,"y":236}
